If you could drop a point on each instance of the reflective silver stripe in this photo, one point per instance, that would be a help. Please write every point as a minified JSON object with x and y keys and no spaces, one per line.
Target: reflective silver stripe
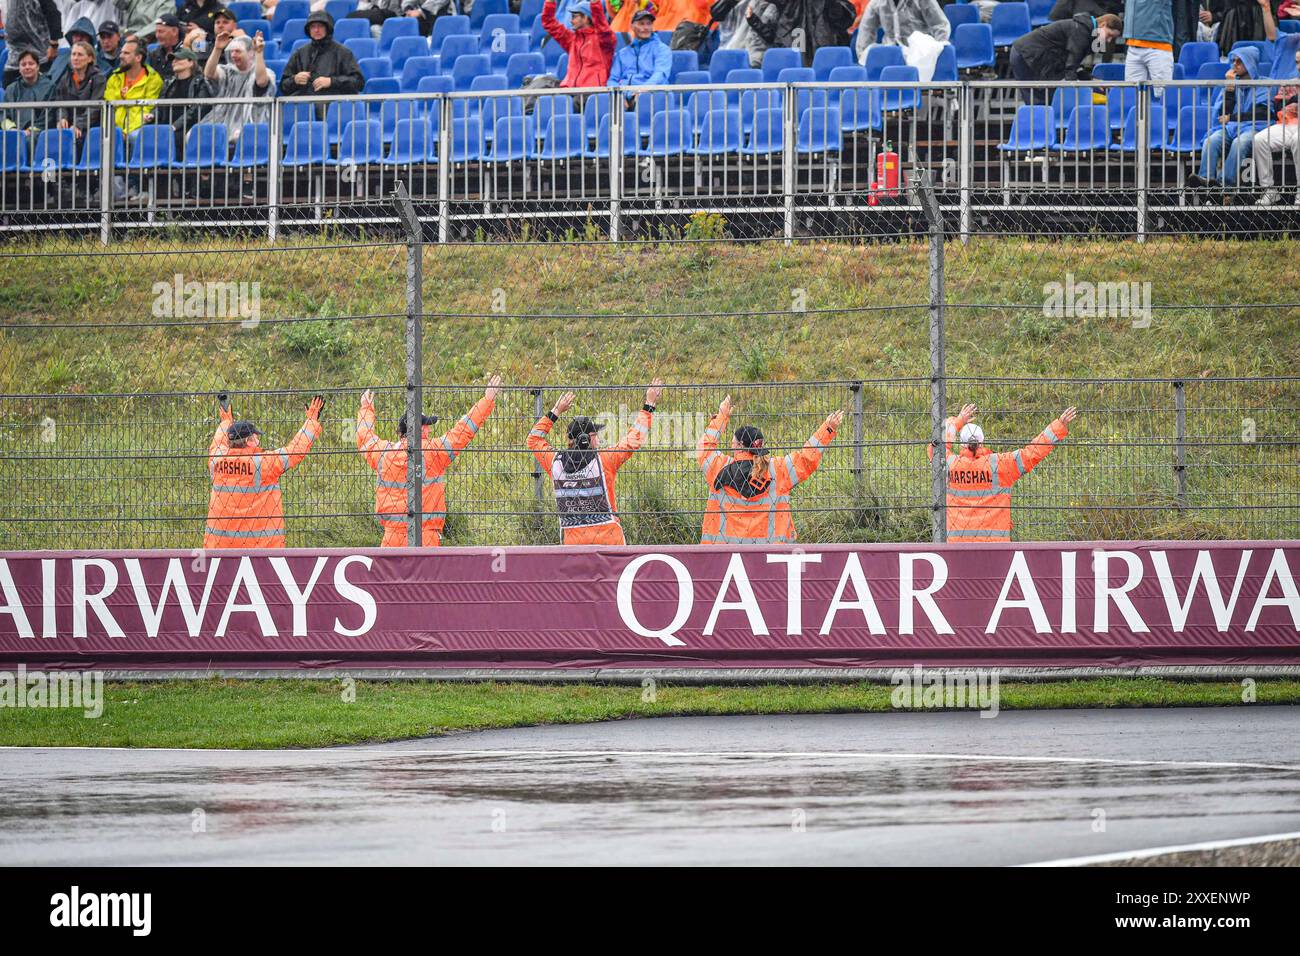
{"x":951,"y":459}
{"x":789,"y":468}
{"x":765,"y":502}
{"x":304,"y":432}
{"x":371,"y":441}
{"x":241,"y":490}
{"x":438,"y":480}
{"x":469,"y":422}
{"x":711,"y":432}
{"x":284,"y":460}
{"x":537,"y":433}
{"x":815,"y":442}
{"x":730,"y":539}
{"x":1020,"y":463}
{"x":712,"y":455}
{"x":977,"y":533}
{"x":451,"y":452}
{"x":1050,"y":436}
{"x":390,"y":484}
{"x":594,"y":491}
{"x":274,"y":533}
{"x":976,"y":492}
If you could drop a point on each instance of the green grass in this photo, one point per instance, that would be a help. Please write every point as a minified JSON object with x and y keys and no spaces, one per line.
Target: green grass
{"x":275,"y":713}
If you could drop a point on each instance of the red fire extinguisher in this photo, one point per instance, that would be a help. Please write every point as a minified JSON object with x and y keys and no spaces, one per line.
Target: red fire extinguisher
{"x":888,"y":173}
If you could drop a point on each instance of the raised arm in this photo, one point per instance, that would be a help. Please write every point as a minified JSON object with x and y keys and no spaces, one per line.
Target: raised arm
{"x":640,"y":431}
{"x":369,"y":444}
{"x":277,"y":462}
{"x":711,"y":460}
{"x":537,"y":442}
{"x":560,"y":33}
{"x":1012,"y":466}
{"x":444,"y":450}
{"x":952,"y":428}
{"x":802,"y":463}
{"x":221,"y":440}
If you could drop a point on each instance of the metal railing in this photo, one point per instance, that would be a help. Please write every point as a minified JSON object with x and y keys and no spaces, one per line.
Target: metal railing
{"x":767,"y":160}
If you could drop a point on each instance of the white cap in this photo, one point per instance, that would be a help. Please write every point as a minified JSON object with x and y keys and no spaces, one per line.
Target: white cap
{"x":970,"y":433}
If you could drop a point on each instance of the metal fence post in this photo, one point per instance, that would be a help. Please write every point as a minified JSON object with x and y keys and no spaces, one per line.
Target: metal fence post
{"x":414,"y":367}
{"x":107,"y":124}
{"x":538,"y":412}
{"x":1180,"y":444}
{"x":929,"y":204}
{"x":1141,"y":118}
{"x":856,"y":389}
{"x":275,"y":150}
{"x":789,"y":120}
{"x":617,"y":118}
{"x":444,"y":169}
{"x":965,"y":154}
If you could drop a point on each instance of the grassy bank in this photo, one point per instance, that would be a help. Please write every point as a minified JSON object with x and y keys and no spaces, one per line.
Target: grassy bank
{"x":272,"y":713}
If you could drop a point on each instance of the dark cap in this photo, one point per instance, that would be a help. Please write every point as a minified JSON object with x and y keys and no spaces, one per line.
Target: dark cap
{"x":242,"y":429}
{"x":224,"y":12}
{"x":582,"y":425}
{"x":108,"y":28}
{"x":749,"y":436}
{"x":424,"y":420}
{"x":184,"y":53}
{"x":647,"y":10}
{"x":167,"y":20}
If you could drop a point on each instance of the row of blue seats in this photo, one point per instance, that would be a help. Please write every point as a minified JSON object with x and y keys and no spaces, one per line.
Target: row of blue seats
{"x":287,"y":11}
{"x":1091,"y":127}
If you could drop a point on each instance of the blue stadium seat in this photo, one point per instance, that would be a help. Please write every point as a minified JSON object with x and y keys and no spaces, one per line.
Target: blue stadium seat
{"x":1119,"y":100}
{"x":206,"y":145}
{"x":879,"y":57}
{"x":797,"y":74}
{"x":1192,"y":55}
{"x":152,"y":146}
{"x":563,"y":137}
{"x":561,"y":66}
{"x":1033,"y":128}
{"x":1189,"y":135}
{"x":1086,"y":128}
{"x":403,"y":49}
{"x":292,"y":111}
{"x":671,"y":134}
{"x":300,"y":42}
{"x":724,"y":61}
{"x":692,"y":78}
{"x":373,"y":67}
{"x":414,"y":70}
{"x":291,"y":32}
{"x":355,"y":29}
{"x":529,"y":12}
{"x":521,"y":66}
{"x":454,"y":47}
{"x":767,"y":134}
{"x":1265,"y":48}
{"x":466,"y":139}
{"x":394,"y":28}
{"x":1112,"y":72}
{"x":959,"y":13}
{"x":1009,"y":22}
{"x":945,"y":68}
{"x":339,"y":9}
{"x":778,"y":58}
{"x":494,"y":108}
{"x":1157,"y":131}
{"x":444,"y":27}
{"x":974,"y":44}
{"x":751,"y":101}
{"x":683,"y":61}
{"x":859,"y":110}
{"x":468,"y":67}
{"x":703,"y":102}
{"x":593,"y":111}
{"x":90,"y":155}
{"x":494,"y":27}
{"x":256,"y":25}
{"x":720,"y":133}
{"x":306,"y":144}
{"x":277,"y":67}
{"x":484,"y":9}
{"x":514,"y":139}
{"x":272,"y":50}
{"x":340,"y":113}
{"x":631,"y":139}
{"x":245,"y":10}
{"x":362,"y":142}
{"x":545,"y":107}
{"x":363,"y":49}
{"x":435,"y":84}
{"x":1066,"y":99}
{"x":392,"y":112}
{"x":737,"y":80}
{"x":647,"y":104}
{"x":382,"y":86}
{"x":510,"y":46}
{"x":819,"y":130}
{"x":253,"y":147}
{"x":827,"y":58}
{"x":55,"y":149}
{"x":1040,"y":12}
{"x":285,"y":11}
{"x":413,"y":142}
{"x":901,"y":97}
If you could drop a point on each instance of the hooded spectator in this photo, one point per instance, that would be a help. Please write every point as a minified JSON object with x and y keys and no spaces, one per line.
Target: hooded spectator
{"x":31,"y":86}
{"x":133,"y":80}
{"x":806,"y":25}
{"x":646,"y":60}
{"x":900,"y":19}
{"x":244,"y":77}
{"x":322,"y":65}
{"x":187,"y":83}
{"x":81,"y":31}
{"x":588,"y":40}
{"x":426,"y":12}
{"x":109,"y":56}
{"x":30,"y":25}
{"x":1056,"y":51}
{"x":1282,"y":135}
{"x":83,"y":82}
{"x":1245,"y":20}
{"x":201,"y":14}
{"x":1240,"y":110}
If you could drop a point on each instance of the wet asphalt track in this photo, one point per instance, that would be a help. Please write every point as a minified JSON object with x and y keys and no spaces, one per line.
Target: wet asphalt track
{"x":851,"y":788}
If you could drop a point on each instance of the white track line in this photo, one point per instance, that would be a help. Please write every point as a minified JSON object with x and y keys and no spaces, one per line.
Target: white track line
{"x":372,"y":752}
{"x":1163,"y":850}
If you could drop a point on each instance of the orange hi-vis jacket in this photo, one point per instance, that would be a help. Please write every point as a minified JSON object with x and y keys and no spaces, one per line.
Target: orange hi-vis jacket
{"x":758,"y":515}
{"x":388,"y":459}
{"x":585,"y":498}
{"x":245,"y":509}
{"x":979,"y":484}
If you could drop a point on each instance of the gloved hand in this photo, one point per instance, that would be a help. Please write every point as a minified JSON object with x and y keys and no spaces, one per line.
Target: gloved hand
{"x":315,"y":407}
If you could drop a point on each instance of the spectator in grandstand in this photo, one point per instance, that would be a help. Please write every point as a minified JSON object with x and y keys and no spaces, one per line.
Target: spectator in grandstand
{"x":375,"y":12}
{"x":168,"y":32}
{"x":1245,"y":20}
{"x":31,"y":86}
{"x":133,"y":80}
{"x":388,"y":460}
{"x":187,"y":83}
{"x":426,"y":12}
{"x":81,"y":82}
{"x":202,"y":15}
{"x":1241,"y":110}
{"x":323,"y":65}
{"x":1056,"y":51}
{"x":646,"y":60}
{"x":668,"y":13}
{"x":806,"y":26}
{"x":900,"y":19}
{"x":1281,"y":136}
{"x":32,"y":25}
{"x":1149,"y":41}
{"x":139,"y":16}
{"x":1065,"y":9}
{"x":245,"y":509}
{"x":588,"y":40}
{"x":244,"y":77}
{"x":98,"y":12}
{"x":81,"y":31}
{"x":749,"y":492}
{"x":979,"y":481}
{"x":109,"y":57}
{"x":584,"y":474}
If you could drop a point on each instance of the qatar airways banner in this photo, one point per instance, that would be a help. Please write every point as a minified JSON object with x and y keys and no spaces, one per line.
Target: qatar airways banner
{"x":1104,"y":604}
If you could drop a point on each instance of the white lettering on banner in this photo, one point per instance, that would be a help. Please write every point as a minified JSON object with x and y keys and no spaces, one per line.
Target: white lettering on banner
{"x":747,"y":603}
{"x":174,"y":580}
{"x":82,"y":600}
{"x":256,"y":604}
{"x":1019,"y":574}
{"x":1290,"y":600}
{"x":794,"y":586}
{"x":1204,"y":571}
{"x":358,"y":596}
{"x":924,"y":597}
{"x":297,"y":598}
{"x":13,"y":605}
{"x":1104,"y":593}
{"x":49,"y":628}
{"x":1067,"y":592}
{"x":685,"y":599}
{"x":853,"y":574}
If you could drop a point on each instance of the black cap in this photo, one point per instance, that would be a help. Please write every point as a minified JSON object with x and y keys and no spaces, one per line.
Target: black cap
{"x":167,"y":20}
{"x":582,"y":425}
{"x":424,"y":420}
{"x":749,"y":436}
{"x":108,"y":28}
{"x":242,"y":429}
{"x":224,"y":12}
